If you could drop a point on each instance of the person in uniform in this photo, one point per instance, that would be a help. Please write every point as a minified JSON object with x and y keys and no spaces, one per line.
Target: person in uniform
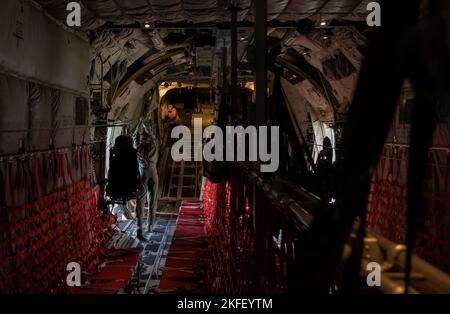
{"x":170,"y":115}
{"x":146,"y":145}
{"x":325,"y":168}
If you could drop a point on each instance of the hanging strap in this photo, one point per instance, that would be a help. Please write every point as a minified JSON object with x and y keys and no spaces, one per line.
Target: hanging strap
{"x":68,"y":175}
{"x":37,"y":174}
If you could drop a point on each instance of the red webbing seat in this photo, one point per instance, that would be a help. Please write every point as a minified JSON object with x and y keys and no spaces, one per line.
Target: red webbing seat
{"x":116,"y":276}
{"x":186,"y":258}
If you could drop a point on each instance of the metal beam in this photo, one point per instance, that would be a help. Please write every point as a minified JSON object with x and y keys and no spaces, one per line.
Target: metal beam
{"x":261,"y":61}
{"x":234,"y":65}
{"x":185,"y":25}
{"x":261,"y":119}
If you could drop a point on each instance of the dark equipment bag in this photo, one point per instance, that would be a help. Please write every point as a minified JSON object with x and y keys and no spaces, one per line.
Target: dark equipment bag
{"x":123,"y":171}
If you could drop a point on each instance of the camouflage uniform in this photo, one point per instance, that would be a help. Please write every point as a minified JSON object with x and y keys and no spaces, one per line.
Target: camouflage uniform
{"x":147,"y":149}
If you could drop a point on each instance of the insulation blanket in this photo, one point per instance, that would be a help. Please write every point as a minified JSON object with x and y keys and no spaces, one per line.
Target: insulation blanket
{"x":36,"y":48}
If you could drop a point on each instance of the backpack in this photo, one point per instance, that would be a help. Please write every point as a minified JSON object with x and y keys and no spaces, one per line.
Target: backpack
{"x":123,"y":171}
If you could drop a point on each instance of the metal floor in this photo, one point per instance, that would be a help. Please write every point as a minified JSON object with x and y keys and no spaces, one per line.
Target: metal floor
{"x":155,"y":250}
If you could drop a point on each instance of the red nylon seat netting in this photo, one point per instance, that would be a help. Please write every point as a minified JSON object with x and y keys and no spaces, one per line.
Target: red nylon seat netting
{"x":49,"y":217}
{"x":386,"y":213}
